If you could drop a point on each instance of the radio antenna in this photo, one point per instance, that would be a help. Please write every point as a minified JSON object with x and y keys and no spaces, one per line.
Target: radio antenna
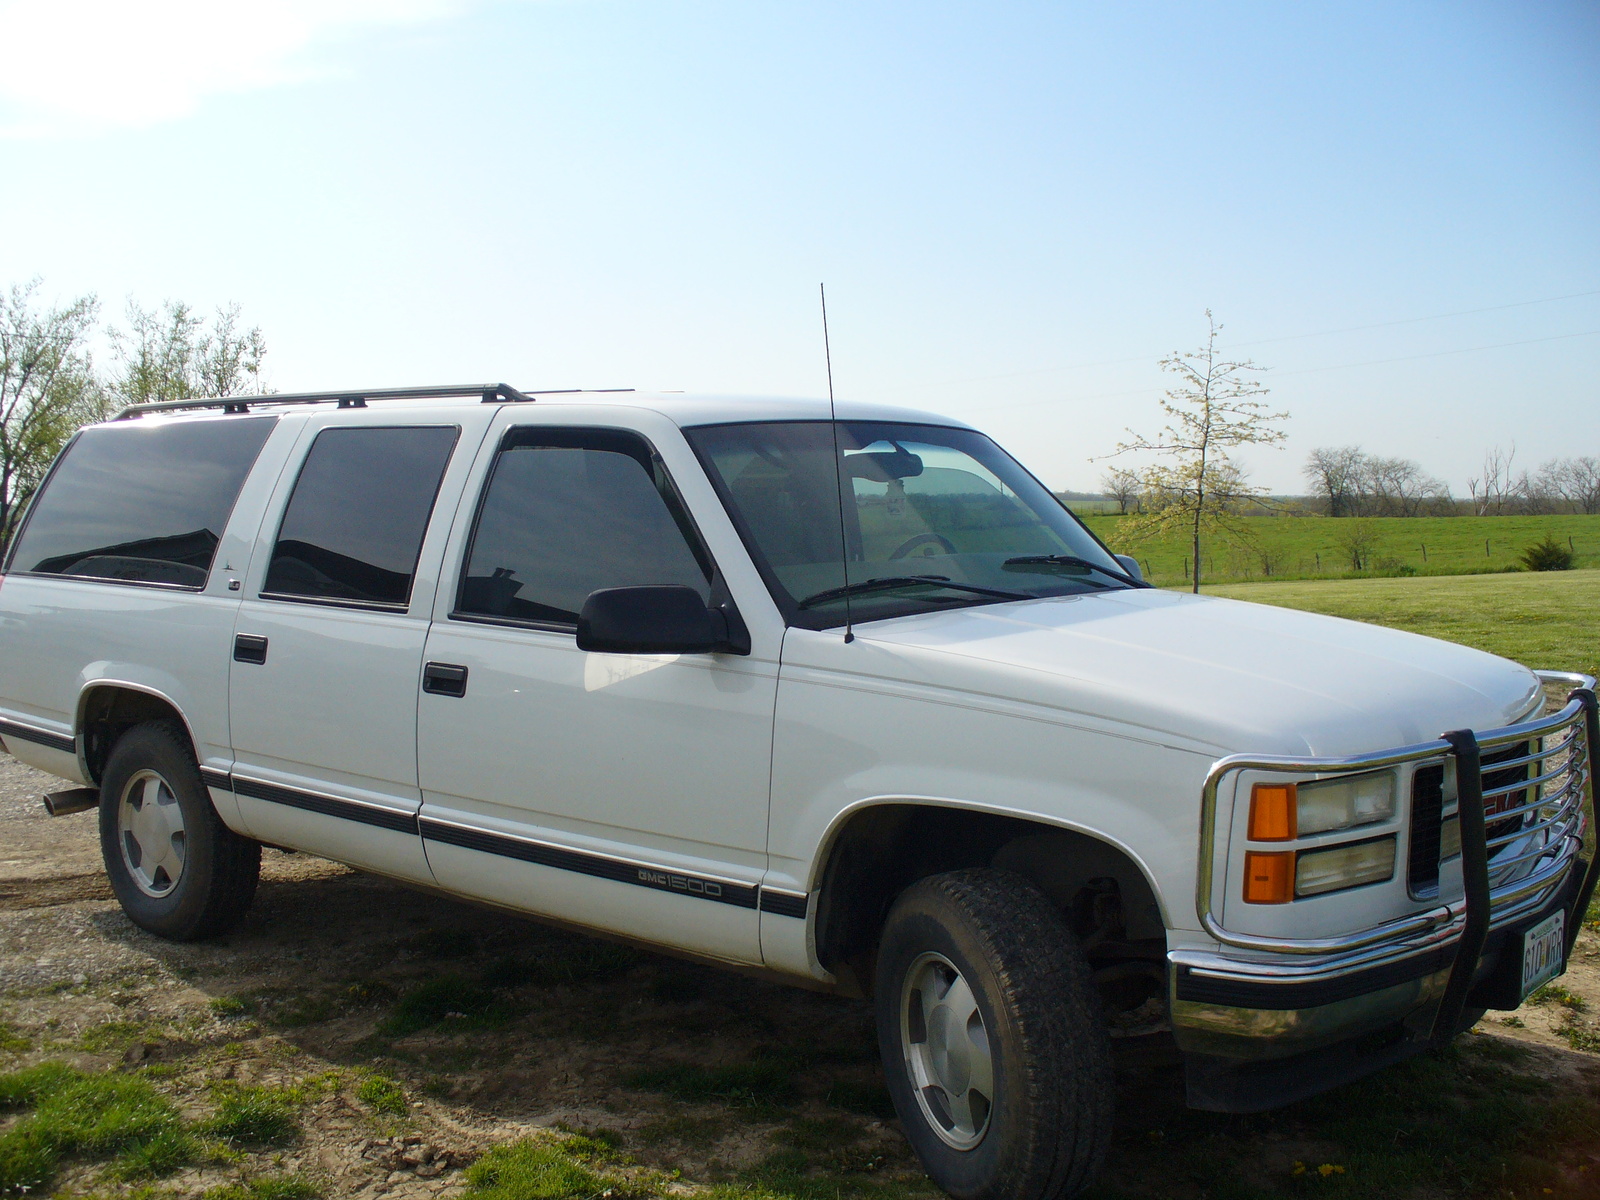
{"x":838,"y":469}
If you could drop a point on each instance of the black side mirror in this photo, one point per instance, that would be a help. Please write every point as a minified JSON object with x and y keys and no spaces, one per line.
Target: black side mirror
{"x":655,"y":620}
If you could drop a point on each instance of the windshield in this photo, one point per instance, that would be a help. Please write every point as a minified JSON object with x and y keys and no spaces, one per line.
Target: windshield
{"x":941,"y":518}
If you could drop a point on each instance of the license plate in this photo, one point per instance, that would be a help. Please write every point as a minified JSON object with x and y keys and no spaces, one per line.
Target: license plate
{"x":1542,"y":948}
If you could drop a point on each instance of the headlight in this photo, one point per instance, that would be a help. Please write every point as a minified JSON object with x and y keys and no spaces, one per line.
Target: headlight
{"x":1318,"y":871}
{"x":1344,"y":802}
{"x":1285,"y":812}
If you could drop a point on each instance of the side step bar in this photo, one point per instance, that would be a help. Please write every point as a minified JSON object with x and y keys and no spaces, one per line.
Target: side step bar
{"x":74,"y":800}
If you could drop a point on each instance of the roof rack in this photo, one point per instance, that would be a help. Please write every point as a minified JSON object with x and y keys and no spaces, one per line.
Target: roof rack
{"x":492,"y":393}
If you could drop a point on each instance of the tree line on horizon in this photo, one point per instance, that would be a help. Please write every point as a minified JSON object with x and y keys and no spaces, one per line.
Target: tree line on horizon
{"x":1347,"y":481}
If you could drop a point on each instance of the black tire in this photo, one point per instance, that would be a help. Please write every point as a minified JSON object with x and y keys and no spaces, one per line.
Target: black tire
{"x":1049,"y":1122}
{"x":217,"y":879}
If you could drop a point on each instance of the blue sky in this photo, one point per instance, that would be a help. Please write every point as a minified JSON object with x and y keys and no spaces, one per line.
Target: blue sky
{"x":1017,"y":207}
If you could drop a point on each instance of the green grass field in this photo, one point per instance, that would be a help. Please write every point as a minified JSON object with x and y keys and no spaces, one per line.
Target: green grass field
{"x":1548,"y":621}
{"x":1305,"y":547}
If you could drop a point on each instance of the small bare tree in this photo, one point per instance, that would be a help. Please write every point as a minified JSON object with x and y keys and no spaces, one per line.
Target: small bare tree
{"x":1122,"y":485}
{"x":1495,"y":487}
{"x":47,"y":390}
{"x":1214,"y":407}
{"x":1358,"y":538}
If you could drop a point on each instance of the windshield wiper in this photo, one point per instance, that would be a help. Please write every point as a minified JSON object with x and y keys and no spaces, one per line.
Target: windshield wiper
{"x":889,"y":582}
{"x":1068,"y":560}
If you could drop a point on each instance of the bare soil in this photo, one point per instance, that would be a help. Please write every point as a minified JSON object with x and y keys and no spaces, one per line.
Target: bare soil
{"x":517,"y":1028}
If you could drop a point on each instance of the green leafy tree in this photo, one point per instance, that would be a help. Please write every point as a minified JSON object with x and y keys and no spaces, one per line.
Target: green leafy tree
{"x":172,"y":353}
{"x":1214,"y":406}
{"x":48,"y":389}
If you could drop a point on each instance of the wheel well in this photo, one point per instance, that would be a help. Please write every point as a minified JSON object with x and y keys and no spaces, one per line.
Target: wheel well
{"x":106,"y":713}
{"x":1103,"y":894}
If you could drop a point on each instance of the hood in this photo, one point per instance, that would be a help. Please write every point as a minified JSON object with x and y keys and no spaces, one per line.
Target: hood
{"x":1232,"y":676}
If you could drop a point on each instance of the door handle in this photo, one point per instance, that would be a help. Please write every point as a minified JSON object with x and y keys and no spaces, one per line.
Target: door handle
{"x":249,"y":648}
{"x":444,"y":679}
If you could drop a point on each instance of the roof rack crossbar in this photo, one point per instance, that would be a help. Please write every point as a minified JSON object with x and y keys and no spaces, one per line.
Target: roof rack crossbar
{"x":492,"y":393}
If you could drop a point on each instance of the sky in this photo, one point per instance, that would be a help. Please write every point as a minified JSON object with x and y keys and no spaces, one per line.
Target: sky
{"x":1018,"y":207}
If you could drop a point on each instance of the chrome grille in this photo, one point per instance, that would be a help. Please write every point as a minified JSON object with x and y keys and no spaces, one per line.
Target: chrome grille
{"x":1427,"y":823}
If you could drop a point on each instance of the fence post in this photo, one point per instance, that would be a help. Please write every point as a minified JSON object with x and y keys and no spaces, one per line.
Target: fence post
{"x":1424,"y":553}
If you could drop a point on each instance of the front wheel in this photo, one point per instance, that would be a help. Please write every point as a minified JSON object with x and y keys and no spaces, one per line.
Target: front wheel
{"x":176,"y":869}
{"x":989,"y":1026}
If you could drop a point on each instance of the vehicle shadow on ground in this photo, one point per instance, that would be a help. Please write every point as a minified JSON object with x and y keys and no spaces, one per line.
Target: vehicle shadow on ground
{"x":490,"y":1021}
{"x":502,"y":1020}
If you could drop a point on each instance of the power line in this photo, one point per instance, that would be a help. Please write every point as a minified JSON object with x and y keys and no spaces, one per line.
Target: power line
{"x":1292,"y":337}
{"x":1145,"y":391}
{"x":1464,"y":312}
{"x":1559,"y":337}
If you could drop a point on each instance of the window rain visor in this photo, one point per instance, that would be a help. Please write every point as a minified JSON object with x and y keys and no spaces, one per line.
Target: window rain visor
{"x":568,"y":512}
{"x":935,"y":518}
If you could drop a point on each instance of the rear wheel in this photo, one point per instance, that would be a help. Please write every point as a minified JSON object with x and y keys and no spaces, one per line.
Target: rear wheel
{"x":997,"y":1060}
{"x":176,"y":869}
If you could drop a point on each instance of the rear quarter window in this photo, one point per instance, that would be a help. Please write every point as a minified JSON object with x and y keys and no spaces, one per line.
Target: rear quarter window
{"x":141,"y":501}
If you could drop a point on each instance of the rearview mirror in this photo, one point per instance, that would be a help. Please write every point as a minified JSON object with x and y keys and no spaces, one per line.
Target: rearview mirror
{"x":654,"y":620}
{"x":883,"y":466}
{"x":1129,"y":564}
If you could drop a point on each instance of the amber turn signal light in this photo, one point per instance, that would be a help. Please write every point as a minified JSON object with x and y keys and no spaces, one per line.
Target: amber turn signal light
{"x":1269,"y":876}
{"x":1272,"y":813}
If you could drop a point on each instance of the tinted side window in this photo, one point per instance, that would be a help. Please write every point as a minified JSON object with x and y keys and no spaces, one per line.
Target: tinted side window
{"x":353,"y":528}
{"x":141,"y":501}
{"x":560,"y":521}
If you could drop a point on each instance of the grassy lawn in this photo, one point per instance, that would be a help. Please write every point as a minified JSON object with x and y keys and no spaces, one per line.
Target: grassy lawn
{"x":1549,"y":621}
{"x":1303,"y":547}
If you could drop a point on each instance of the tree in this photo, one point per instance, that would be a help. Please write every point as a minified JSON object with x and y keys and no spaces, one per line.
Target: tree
{"x":1122,"y":485}
{"x":47,"y":390}
{"x":1576,"y":481}
{"x":1213,"y":407}
{"x":1358,"y":538}
{"x":1353,"y":483}
{"x":1399,"y":487}
{"x":1495,"y":487}
{"x":1581,"y":482}
{"x":1335,"y":472}
{"x":169,"y":354}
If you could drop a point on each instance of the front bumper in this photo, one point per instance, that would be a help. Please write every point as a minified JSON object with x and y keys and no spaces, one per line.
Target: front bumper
{"x":1264,"y":1021}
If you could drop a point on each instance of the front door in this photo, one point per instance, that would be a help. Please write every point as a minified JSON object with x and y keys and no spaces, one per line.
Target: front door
{"x":622,"y":792}
{"x":327,"y":652}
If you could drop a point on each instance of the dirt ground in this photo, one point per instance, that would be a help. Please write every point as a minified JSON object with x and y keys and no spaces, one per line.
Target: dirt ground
{"x":494,"y":1029}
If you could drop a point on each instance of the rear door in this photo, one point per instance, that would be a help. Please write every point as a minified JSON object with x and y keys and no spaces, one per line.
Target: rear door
{"x":327,"y":652}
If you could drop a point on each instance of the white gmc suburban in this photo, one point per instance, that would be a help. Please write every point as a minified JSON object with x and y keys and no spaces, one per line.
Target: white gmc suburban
{"x":850,"y":700}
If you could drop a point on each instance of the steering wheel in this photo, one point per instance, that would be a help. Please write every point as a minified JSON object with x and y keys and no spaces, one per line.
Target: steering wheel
{"x":922,"y":539}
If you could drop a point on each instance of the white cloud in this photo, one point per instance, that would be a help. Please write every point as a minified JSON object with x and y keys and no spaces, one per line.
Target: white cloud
{"x":88,"y":65}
